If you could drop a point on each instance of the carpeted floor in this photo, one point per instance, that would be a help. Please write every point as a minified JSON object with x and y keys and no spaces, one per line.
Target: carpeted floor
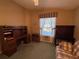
{"x":33,"y":51}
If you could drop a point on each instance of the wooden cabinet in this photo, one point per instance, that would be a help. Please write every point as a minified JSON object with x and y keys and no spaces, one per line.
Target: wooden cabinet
{"x":65,"y":33}
{"x":36,"y":37}
{"x":9,"y":46}
{"x":8,"y":43}
{"x":11,"y":37}
{"x":20,"y":33}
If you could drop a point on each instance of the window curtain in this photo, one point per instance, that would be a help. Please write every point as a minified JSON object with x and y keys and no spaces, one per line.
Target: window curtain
{"x":48,"y":15}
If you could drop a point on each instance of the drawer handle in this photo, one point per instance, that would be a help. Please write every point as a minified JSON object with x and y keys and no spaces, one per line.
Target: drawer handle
{"x":5,"y":39}
{"x":8,"y":38}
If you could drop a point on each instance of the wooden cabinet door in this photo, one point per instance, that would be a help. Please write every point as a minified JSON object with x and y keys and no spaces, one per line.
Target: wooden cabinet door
{"x":9,"y":46}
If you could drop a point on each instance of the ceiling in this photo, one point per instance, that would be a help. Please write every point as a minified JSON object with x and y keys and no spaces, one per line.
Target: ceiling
{"x":64,"y":4}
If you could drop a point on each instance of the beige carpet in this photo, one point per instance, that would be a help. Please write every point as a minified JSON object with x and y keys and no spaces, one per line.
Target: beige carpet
{"x":33,"y":51}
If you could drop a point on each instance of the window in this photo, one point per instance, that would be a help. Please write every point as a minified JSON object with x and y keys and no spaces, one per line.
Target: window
{"x":47,"y":26}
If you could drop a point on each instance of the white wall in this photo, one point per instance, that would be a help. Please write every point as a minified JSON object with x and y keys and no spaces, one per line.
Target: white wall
{"x":11,"y":13}
{"x":77,"y":24}
{"x":28,"y":20}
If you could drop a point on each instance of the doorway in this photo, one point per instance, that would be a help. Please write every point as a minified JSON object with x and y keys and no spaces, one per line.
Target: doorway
{"x":47,"y":29}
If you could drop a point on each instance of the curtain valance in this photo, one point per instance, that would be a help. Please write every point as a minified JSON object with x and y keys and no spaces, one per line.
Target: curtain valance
{"x":48,"y":14}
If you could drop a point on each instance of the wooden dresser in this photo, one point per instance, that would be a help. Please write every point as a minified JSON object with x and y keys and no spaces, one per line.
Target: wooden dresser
{"x":9,"y":46}
{"x":11,"y":37}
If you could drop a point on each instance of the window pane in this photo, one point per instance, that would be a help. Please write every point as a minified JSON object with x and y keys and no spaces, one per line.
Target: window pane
{"x":47,"y":26}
